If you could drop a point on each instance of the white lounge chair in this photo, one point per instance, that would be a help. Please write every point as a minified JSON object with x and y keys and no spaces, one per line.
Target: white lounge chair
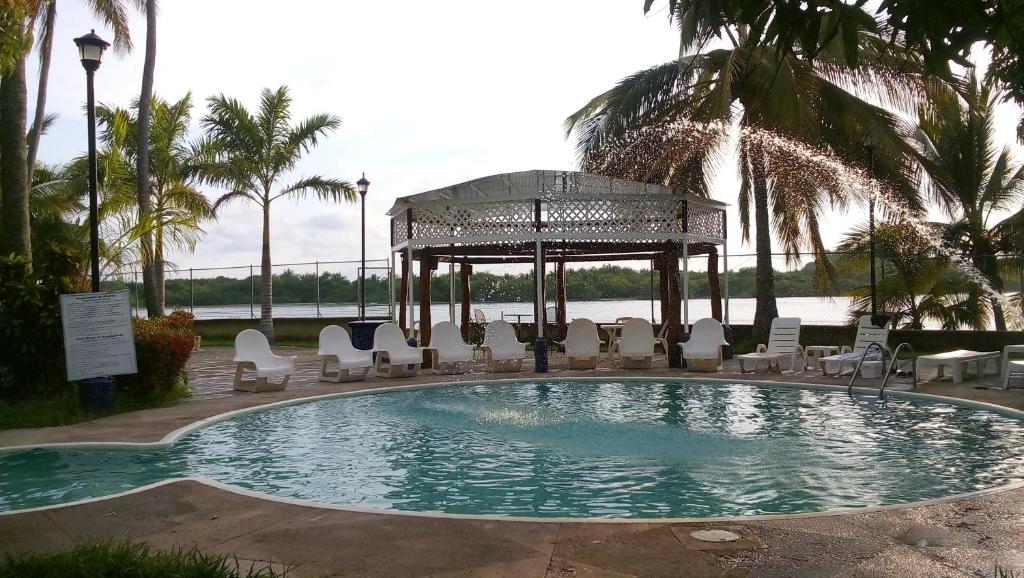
{"x":252,"y":351}
{"x":956,"y":362}
{"x":582,"y":344}
{"x":478,"y":316}
{"x":1012,"y":366}
{"x":636,"y":346}
{"x":394,"y":356}
{"x":336,"y":345}
{"x":703,"y":352}
{"x":849,"y":357}
{"x":447,"y":349}
{"x":783,"y":344}
{"x":502,"y":349}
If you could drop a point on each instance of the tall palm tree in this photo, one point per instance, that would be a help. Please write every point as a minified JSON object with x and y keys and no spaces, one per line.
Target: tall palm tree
{"x":114,"y":15}
{"x":971,"y":177}
{"x":19,"y":19}
{"x":251,"y":153}
{"x":152,"y":271}
{"x":178,"y":206}
{"x":672,"y":124}
{"x":919,"y":283}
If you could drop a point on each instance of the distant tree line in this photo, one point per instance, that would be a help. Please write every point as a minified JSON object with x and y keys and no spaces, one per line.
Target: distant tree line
{"x":590,"y":284}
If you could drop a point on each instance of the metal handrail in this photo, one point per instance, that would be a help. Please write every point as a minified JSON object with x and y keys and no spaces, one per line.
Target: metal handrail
{"x":892,"y":364}
{"x":881,"y":349}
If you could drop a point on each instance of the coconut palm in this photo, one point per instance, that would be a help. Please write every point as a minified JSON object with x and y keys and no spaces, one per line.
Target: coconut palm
{"x":152,"y":271}
{"x":178,"y":206}
{"x":800,"y":123}
{"x":252,"y":153}
{"x":17,"y":21}
{"x":971,"y":178}
{"x":918,"y":283}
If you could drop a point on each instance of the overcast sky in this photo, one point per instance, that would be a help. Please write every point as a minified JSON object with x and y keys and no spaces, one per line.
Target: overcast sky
{"x":429,"y":93}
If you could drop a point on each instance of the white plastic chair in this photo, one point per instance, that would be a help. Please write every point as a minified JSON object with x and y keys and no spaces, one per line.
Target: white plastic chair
{"x":252,"y":351}
{"x":582,"y":344}
{"x":636,"y":346}
{"x":394,"y":356}
{"x":1012,"y":366}
{"x":502,"y":349}
{"x":703,"y":352}
{"x":447,"y":347}
{"x":661,"y":339}
{"x":848,"y":356}
{"x":783,"y":343}
{"x":478,"y":316}
{"x":336,"y":346}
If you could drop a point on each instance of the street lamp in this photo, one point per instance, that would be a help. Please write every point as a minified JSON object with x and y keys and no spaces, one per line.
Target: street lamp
{"x":90,"y":50}
{"x":363,"y":185}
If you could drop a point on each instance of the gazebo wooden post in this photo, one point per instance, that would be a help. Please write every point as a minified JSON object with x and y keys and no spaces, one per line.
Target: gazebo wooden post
{"x":560,"y":297}
{"x":663,"y":286}
{"x":428,"y":263}
{"x":403,"y":297}
{"x":673,"y":333}
{"x":464,"y":273}
{"x":714,"y":284}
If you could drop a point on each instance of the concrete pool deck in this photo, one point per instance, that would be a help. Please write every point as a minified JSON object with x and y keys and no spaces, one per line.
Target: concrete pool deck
{"x":966,"y":537}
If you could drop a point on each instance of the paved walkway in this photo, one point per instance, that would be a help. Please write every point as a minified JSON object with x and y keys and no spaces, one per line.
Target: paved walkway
{"x":962,"y":538}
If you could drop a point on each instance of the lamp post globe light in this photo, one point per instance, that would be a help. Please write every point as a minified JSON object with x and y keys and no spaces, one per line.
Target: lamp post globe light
{"x":362,"y":185}
{"x":90,"y":51}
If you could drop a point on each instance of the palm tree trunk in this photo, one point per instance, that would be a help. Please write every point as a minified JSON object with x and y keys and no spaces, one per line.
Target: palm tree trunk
{"x":766,"y":308}
{"x":14,"y":183}
{"x":158,"y":268}
{"x":266,"y":278}
{"x":150,"y":282}
{"x":45,"y":52}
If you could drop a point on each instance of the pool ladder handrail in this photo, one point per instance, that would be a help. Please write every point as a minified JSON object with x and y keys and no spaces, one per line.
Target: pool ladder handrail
{"x":856,"y":372}
{"x":892,"y":364}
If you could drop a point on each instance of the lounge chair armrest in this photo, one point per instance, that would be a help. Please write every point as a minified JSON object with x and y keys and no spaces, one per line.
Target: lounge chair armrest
{"x":845,"y":349}
{"x":761,"y":348}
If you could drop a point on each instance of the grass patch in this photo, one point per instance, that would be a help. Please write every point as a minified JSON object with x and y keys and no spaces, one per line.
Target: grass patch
{"x":129,"y":560}
{"x":65,"y":409}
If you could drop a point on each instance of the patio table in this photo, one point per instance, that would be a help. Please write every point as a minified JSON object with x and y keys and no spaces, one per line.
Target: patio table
{"x":816,"y":352}
{"x":956,"y":361}
{"x":613,"y":330}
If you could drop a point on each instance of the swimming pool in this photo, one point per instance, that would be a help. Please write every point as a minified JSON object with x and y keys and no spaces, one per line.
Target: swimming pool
{"x":566,"y":448}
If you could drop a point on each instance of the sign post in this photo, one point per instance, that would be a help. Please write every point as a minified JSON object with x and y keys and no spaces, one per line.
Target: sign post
{"x":98,"y":342}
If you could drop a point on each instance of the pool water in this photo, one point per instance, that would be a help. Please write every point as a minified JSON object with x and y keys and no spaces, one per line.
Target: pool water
{"x":628,"y":449}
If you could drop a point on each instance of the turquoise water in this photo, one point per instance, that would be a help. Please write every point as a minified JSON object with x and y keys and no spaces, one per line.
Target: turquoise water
{"x":641,"y":449}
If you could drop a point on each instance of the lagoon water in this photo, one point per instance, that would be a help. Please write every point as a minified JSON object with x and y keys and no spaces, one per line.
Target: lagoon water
{"x":812,"y":310}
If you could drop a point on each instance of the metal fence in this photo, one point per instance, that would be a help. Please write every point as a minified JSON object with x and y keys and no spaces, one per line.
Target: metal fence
{"x":326,"y":289}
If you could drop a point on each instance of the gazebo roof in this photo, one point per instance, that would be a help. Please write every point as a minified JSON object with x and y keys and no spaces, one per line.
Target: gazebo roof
{"x":536,"y":184}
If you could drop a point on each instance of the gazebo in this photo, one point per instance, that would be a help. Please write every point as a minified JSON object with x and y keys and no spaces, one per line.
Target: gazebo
{"x":557,"y":217}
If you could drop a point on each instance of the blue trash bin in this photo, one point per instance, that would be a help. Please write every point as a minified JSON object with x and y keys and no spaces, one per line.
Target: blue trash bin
{"x":540,"y":355}
{"x":97,"y":394}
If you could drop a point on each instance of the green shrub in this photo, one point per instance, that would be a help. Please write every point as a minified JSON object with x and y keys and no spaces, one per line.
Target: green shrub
{"x":162,"y":347}
{"x":128,"y":560}
{"x":32,"y":356}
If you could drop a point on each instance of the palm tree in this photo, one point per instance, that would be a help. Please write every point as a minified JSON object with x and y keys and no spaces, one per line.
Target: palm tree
{"x":19,"y":18}
{"x":671,"y":124}
{"x":250,"y":155}
{"x":919,"y":283}
{"x":152,"y":271}
{"x":971,"y":177}
{"x":178,"y":207}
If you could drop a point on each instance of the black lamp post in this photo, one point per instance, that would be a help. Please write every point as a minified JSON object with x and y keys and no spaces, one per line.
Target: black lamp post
{"x":90,"y":50}
{"x":363,"y":185}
